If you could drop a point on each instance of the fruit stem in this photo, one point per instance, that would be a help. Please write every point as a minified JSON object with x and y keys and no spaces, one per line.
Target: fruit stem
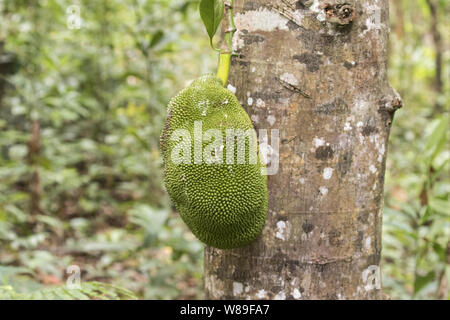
{"x":225,"y":54}
{"x":224,"y":67}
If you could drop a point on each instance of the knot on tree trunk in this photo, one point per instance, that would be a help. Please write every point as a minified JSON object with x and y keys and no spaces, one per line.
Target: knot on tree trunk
{"x":339,"y":12}
{"x":391,"y":101}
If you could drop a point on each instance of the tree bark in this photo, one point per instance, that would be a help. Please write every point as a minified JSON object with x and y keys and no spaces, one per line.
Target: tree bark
{"x":317,"y":72}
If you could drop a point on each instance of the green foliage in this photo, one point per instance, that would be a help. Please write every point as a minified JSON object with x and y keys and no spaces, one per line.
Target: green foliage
{"x":416,"y":220}
{"x":87,"y":291}
{"x":16,"y":284}
{"x":419,"y":230}
{"x":98,"y":94}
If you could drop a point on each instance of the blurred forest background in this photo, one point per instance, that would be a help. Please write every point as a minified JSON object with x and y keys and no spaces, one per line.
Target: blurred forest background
{"x":80,"y":170}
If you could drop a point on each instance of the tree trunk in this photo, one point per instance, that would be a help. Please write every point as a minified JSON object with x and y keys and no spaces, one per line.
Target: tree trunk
{"x":438,"y":83}
{"x":8,"y":65}
{"x":34,"y":150}
{"x":317,"y":73}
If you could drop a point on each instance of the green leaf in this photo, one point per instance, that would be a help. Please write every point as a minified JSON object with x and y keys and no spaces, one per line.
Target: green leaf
{"x":436,"y":140}
{"x":149,"y":218}
{"x":9,"y":271}
{"x":440,"y":251}
{"x":441,"y":206}
{"x":89,"y":290}
{"x":426,"y":215}
{"x":157,"y":37}
{"x":211,"y":12}
{"x":420,"y":282}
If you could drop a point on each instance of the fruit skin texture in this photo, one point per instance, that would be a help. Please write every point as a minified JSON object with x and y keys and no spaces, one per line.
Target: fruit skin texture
{"x":224,"y":205}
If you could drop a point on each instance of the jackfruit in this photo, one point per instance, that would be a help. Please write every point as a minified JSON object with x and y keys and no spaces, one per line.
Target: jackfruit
{"x":223,"y":202}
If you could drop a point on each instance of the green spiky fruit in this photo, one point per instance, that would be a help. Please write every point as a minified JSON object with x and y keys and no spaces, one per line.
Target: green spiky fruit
{"x":223,"y":202}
